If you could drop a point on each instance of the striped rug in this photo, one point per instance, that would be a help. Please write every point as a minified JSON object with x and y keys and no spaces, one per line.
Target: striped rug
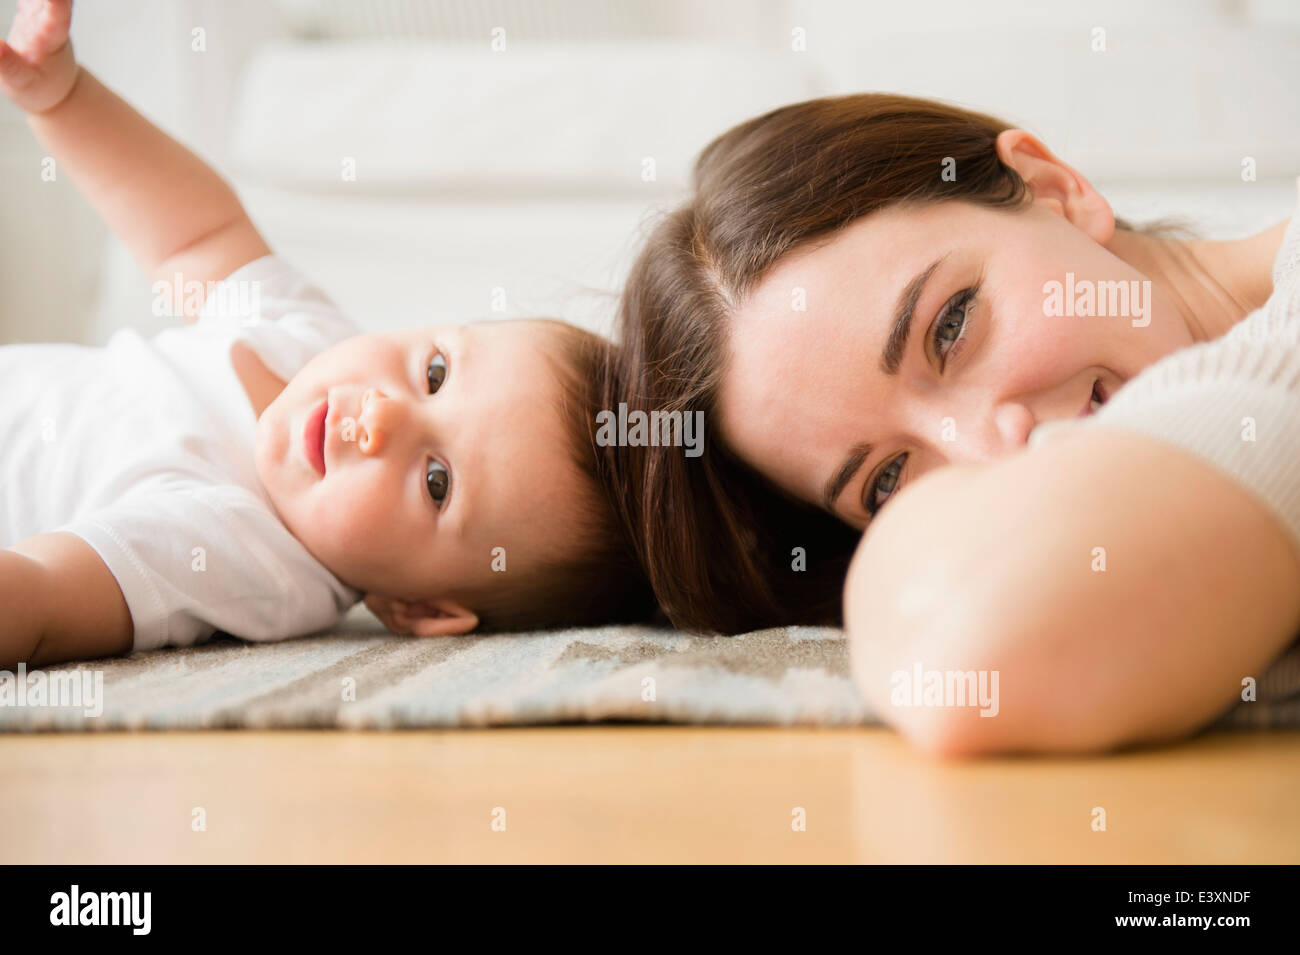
{"x":359,"y":679}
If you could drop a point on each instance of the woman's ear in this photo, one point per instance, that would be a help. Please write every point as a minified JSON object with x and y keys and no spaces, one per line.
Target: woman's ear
{"x":1056,"y":185}
{"x":422,"y":618}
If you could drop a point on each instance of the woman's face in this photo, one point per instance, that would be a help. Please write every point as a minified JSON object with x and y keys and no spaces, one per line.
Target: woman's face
{"x":842,"y":407}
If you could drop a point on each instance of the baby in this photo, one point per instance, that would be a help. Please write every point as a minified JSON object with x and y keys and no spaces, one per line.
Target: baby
{"x":259,"y":470}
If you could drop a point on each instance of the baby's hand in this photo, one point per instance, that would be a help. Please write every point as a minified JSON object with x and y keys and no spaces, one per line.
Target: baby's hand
{"x":37,"y":68}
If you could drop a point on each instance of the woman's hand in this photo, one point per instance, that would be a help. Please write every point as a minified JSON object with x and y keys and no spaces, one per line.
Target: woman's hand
{"x":1120,"y":588}
{"x":37,"y":68}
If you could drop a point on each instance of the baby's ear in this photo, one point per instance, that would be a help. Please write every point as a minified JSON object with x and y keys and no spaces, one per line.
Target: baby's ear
{"x":423,"y":618}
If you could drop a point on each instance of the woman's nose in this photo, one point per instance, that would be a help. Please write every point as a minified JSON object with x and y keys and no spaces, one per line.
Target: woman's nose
{"x":1004,"y":433}
{"x":379,"y":415}
{"x":1012,"y":424}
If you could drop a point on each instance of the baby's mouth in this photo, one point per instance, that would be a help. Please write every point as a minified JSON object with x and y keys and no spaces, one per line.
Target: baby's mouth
{"x":313,"y":437}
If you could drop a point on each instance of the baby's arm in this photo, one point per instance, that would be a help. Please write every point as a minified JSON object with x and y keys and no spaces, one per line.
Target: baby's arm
{"x":167,"y":206}
{"x":59,"y":602}
{"x":997,"y":567}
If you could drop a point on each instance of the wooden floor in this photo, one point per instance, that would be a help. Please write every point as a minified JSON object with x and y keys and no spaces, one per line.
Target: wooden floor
{"x":629,"y":794}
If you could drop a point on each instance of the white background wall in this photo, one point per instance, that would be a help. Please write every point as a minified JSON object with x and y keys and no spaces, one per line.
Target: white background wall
{"x":522,"y":170}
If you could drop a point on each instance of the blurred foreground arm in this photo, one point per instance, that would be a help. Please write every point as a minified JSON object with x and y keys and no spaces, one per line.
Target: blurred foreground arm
{"x":1121,"y":587}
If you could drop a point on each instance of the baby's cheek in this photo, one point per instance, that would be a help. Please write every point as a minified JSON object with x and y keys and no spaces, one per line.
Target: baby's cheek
{"x":357,"y":515}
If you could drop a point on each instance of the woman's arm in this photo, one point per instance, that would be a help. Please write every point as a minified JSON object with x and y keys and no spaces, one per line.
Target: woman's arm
{"x":168,"y":207}
{"x":1000,"y":568}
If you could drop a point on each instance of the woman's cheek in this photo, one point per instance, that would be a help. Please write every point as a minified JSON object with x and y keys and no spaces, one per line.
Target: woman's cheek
{"x":1034,"y":350}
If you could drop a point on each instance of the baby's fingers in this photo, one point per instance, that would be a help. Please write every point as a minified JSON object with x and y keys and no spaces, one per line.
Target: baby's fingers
{"x":37,"y":87}
{"x":40,"y":27}
{"x":16,"y":74}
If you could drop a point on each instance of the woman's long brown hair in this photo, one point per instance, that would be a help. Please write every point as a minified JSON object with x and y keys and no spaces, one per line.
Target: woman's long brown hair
{"x":717,"y":541}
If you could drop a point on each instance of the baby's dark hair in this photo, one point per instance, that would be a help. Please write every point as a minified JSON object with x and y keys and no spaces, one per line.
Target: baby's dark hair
{"x":593,"y":576}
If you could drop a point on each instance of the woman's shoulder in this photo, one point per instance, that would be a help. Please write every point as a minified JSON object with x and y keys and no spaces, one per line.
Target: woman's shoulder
{"x":1286,"y":267}
{"x":1275,"y":324}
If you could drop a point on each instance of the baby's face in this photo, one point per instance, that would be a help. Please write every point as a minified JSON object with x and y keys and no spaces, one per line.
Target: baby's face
{"x":440,"y":444}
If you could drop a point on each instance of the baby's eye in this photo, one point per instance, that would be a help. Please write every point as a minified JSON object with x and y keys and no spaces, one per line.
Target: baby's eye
{"x":437,"y":480}
{"x":436,"y":373}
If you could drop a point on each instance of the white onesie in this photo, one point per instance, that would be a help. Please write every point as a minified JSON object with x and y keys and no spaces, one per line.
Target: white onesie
{"x":144,"y":448}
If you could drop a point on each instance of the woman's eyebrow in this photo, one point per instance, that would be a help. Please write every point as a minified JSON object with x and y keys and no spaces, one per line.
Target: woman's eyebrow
{"x":852,"y":461}
{"x":896,"y":343}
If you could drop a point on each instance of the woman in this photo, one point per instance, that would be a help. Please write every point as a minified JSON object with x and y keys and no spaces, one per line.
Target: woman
{"x":865,"y":290}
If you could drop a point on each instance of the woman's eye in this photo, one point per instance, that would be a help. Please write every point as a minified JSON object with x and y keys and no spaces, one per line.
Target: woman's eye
{"x":952,"y":323}
{"x":436,"y":373}
{"x":887,"y":481}
{"x":438,"y":481}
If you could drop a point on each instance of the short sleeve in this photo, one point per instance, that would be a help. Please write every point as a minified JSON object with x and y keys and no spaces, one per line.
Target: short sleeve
{"x":195,"y":560}
{"x":284,"y":317}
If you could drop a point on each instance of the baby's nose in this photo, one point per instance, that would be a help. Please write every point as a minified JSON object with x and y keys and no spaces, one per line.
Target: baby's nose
{"x":376,"y":420}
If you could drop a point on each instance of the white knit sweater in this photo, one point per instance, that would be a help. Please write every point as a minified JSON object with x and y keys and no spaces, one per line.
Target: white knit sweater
{"x":1233,"y":401}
